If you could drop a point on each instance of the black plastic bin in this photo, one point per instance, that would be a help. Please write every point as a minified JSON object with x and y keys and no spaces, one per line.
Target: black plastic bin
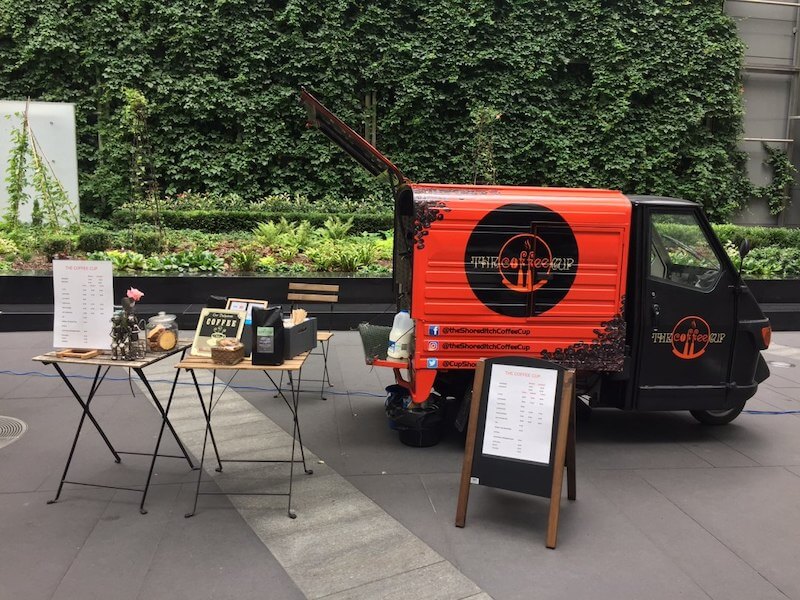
{"x":419,"y":426}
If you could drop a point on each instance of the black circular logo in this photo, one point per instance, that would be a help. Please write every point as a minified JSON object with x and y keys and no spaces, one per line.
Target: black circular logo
{"x":521,"y":259}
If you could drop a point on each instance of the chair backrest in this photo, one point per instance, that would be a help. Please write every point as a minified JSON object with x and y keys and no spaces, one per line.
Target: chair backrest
{"x":313,"y":292}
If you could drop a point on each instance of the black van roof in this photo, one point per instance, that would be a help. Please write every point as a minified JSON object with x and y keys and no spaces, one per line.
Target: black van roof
{"x":661,"y":201}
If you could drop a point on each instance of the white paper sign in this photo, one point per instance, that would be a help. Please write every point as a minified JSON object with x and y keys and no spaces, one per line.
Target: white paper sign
{"x":519,"y":413}
{"x":83,"y":292}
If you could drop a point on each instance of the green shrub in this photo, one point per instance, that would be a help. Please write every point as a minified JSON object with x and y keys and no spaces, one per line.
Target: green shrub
{"x":267,"y":233}
{"x":345,"y":256}
{"x":54,"y":244}
{"x":245,"y":261}
{"x":354,"y":255}
{"x":323,"y":256}
{"x":197,"y":260}
{"x":145,"y":241}
{"x":772,"y":263}
{"x":8,"y":247}
{"x":141,"y":238}
{"x":191,"y":238}
{"x":374,"y":269}
{"x":335,"y":228}
{"x":92,"y":240}
{"x":287,"y":252}
{"x":296,"y":267}
{"x":121,"y":260}
{"x":267,"y":264}
{"x":302,"y":233}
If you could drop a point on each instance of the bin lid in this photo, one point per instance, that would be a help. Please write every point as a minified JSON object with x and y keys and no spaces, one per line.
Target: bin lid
{"x":348,"y":140}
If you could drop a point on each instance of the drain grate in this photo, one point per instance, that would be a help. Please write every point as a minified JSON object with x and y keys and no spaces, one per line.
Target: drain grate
{"x":11,"y":430}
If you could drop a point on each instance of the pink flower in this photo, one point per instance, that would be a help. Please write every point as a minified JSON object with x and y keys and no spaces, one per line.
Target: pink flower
{"x":134,"y":294}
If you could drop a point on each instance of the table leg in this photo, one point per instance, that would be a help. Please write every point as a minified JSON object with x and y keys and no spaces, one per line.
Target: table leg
{"x":95,"y":386}
{"x":278,"y":391}
{"x":205,"y":442}
{"x":86,"y":412}
{"x":207,"y":415}
{"x":294,"y":408}
{"x":325,"y":374}
{"x":295,"y":393}
{"x":164,"y":421}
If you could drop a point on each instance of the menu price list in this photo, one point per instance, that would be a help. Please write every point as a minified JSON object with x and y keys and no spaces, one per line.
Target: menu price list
{"x":83,"y":294}
{"x":519,"y":413}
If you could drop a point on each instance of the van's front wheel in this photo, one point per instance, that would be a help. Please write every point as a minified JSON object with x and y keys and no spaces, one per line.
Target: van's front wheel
{"x":717,"y":417}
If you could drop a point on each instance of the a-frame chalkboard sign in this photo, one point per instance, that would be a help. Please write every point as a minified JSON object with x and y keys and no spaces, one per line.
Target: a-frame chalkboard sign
{"x":521,"y":433}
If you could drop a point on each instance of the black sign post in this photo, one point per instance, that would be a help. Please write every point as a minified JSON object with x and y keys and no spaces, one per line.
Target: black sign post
{"x":521,"y":433}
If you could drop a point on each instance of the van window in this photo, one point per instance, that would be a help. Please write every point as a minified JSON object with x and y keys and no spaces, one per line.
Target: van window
{"x":681,"y":253}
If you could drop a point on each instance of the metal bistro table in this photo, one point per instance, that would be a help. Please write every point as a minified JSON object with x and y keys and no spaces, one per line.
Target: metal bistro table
{"x":104,"y":364}
{"x":290,"y":367}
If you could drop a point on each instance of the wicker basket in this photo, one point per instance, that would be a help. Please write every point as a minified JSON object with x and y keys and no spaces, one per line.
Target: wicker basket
{"x":375,"y":339}
{"x":227,"y":352}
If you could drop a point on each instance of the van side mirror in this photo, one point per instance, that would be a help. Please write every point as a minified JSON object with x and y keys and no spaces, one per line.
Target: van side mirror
{"x":744,"y":248}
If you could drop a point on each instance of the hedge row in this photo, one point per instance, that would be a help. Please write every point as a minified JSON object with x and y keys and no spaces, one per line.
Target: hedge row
{"x":760,"y":237}
{"x":216,"y":221}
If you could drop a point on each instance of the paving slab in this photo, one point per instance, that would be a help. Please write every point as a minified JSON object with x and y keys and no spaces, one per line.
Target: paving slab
{"x":717,"y":569}
{"x":41,"y":542}
{"x":752,"y":511}
{"x":432,"y":582}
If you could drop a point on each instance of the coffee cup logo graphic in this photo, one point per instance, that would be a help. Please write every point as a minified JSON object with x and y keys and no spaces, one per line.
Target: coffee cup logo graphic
{"x":521,"y":259}
{"x":690,"y":338}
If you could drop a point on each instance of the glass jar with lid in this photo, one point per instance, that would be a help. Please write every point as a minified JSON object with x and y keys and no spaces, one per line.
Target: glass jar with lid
{"x":162,"y":332}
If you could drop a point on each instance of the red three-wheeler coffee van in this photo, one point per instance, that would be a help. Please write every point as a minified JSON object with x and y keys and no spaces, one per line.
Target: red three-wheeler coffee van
{"x":634,"y":292}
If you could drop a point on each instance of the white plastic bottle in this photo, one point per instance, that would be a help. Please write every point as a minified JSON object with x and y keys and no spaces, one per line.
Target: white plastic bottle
{"x":401,"y":335}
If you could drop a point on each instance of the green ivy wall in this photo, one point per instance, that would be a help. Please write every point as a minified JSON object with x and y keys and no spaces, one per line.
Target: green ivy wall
{"x":640,"y":95}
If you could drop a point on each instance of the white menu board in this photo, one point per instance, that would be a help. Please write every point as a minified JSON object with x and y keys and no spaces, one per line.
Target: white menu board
{"x":83,"y":293}
{"x":519,"y":413}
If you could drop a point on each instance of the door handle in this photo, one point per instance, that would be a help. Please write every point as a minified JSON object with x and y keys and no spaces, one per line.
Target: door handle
{"x":656,"y":309}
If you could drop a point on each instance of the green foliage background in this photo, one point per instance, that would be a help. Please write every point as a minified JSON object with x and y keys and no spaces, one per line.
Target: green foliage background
{"x":640,"y":95}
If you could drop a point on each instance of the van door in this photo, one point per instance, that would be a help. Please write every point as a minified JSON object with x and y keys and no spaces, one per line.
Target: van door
{"x":688,"y":314}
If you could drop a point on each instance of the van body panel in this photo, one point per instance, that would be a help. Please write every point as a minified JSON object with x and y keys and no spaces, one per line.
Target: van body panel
{"x":532,"y":271}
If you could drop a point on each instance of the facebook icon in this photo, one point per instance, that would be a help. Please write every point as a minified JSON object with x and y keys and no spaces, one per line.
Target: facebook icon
{"x":433,"y":330}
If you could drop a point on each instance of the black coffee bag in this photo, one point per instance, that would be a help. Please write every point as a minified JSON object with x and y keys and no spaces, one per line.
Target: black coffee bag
{"x":267,"y":330}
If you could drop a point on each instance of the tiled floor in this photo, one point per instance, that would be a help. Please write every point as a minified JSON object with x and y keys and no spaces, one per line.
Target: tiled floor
{"x":666,"y":508}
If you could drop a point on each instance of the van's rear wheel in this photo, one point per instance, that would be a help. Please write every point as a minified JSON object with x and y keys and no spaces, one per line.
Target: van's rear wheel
{"x":717,"y":417}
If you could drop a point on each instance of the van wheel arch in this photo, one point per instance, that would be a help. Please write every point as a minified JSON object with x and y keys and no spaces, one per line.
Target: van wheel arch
{"x":717,"y":417}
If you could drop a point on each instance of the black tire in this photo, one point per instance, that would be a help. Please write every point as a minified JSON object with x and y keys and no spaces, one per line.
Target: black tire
{"x":717,"y":417}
